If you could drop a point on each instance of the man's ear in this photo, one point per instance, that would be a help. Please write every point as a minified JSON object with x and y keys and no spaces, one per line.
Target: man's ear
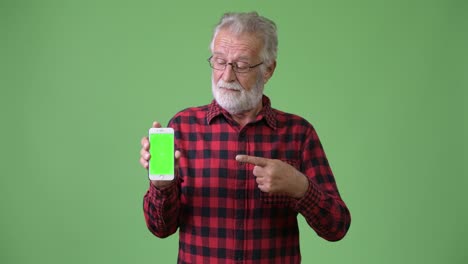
{"x":269,"y":71}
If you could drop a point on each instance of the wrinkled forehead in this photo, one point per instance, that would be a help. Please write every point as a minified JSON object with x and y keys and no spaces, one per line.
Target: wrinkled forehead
{"x":231,"y":43}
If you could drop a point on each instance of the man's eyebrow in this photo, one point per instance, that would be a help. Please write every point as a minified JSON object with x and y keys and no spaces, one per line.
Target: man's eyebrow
{"x":243,"y":58}
{"x":240,"y":58}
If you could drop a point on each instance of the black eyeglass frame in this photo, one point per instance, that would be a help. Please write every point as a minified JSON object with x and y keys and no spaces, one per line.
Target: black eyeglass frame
{"x":234,"y":66}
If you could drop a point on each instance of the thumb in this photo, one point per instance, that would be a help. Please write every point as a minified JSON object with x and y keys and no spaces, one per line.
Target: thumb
{"x":177,"y":154}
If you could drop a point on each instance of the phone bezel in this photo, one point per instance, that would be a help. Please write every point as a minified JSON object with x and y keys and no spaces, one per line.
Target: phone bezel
{"x":160,"y":177}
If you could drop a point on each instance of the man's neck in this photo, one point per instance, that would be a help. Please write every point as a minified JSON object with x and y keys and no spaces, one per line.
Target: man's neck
{"x":248,"y":116}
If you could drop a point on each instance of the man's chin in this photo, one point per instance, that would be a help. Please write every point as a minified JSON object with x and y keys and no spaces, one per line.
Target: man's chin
{"x":232,"y":101}
{"x":230,"y":107}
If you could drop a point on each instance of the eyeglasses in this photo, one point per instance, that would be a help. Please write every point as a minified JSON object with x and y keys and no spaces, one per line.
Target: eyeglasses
{"x":239,"y":67}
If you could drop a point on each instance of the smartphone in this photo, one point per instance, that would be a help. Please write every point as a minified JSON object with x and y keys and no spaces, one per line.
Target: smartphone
{"x":161,"y":149}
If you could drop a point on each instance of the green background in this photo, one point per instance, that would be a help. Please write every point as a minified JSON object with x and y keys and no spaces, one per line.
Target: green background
{"x":383,"y":82}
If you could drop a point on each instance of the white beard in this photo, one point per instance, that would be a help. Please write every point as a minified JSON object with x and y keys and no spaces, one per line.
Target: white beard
{"x":237,"y":102}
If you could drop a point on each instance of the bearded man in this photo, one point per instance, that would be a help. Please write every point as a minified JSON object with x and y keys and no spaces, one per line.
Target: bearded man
{"x":244,"y":170}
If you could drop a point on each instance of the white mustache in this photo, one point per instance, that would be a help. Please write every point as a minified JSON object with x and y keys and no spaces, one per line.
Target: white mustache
{"x":232,"y":86}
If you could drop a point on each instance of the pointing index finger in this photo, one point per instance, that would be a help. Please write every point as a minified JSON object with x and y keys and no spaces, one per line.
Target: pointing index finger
{"x":258,"y":161}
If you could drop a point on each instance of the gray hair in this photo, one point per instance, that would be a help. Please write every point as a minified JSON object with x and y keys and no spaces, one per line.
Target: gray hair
{"x":252,"y":22}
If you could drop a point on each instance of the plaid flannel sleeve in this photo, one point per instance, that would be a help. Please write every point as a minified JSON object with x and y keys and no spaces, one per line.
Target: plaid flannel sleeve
{"x":322,"y":206}
{"x":161,"y":209}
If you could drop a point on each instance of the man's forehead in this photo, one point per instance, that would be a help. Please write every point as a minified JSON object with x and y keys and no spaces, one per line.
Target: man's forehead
{"x":244,"y":44}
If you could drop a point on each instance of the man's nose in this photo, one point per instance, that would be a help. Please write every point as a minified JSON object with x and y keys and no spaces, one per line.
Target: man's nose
{"x":229,"y":75}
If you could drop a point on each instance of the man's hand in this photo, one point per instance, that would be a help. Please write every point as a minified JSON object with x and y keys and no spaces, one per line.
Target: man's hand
{"x":276,"y":176}
{"x":145,"y":157}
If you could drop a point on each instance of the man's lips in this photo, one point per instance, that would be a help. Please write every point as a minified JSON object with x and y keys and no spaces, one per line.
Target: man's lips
{"x":230,"y":89}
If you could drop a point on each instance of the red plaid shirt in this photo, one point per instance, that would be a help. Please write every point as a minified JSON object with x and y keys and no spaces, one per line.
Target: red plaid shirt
{"x":221,"y":214}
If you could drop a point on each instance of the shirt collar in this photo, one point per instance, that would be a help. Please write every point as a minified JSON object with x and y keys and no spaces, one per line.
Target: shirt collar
{"x":267,"y":113}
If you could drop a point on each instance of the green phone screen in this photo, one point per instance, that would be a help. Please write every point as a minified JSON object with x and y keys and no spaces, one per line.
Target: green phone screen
{"x":162,"y":154}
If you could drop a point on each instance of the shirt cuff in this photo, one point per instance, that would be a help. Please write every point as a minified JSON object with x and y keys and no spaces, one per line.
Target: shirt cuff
{"x":162,"y":192}
{"x":310,"y":199}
